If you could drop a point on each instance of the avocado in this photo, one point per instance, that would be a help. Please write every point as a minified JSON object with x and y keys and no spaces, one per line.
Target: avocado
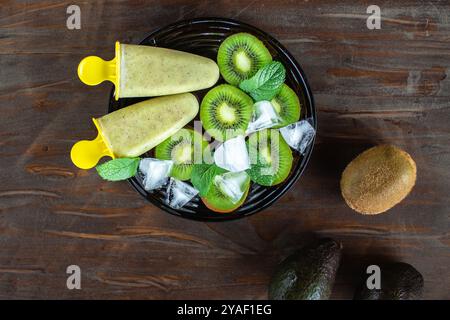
{"x":308,"y":274}
{"x":399,"y":281}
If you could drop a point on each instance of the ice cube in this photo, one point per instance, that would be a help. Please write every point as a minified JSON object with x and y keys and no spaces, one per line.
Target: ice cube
{"x":179,"y":193}
{"x":154,"y":172}
{"x":232,"y":155}
{"x":264,"y":116}
{"x":232,"y":184}
{"x":299,"y":135}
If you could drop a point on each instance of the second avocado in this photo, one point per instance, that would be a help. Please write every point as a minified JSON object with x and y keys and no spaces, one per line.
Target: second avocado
{"x":399,"y":281}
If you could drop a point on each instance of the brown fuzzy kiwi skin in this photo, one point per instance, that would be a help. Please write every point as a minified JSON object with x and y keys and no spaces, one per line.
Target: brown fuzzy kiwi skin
{"x":378,"y":179}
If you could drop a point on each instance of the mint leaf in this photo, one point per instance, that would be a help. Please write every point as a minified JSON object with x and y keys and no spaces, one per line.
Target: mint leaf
{"x":203,"y":177}
{"x":266,"y":83}
{"x":118,"y":169}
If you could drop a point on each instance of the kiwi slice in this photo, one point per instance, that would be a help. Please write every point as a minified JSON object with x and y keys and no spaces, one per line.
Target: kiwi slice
{"x":216,"y":201}
{"x":180,"y":148}
{"x":240,"y":56}
{"x":225,"y":112}
{"x":270,"y":156}
{"x":287,"y":104}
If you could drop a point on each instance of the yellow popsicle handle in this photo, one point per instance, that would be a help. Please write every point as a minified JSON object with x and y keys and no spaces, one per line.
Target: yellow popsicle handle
{"x":85,"y":154}
{"x":94,"y":70}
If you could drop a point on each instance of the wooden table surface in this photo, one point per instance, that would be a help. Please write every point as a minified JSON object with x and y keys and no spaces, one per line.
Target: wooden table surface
{"x":370,"y":86}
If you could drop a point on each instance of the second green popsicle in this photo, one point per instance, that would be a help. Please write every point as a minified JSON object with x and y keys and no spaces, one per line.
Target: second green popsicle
{"x":131,"y":131}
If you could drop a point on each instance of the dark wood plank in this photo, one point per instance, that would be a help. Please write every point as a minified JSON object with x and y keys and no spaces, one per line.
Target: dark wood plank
{"x":389,"y":85}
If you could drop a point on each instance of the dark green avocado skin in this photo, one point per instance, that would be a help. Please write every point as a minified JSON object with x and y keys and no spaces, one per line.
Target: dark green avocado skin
{"x":399,"y":281}
{"x":308,"y":274}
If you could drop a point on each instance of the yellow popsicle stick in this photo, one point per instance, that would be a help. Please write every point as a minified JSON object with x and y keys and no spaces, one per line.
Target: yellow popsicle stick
{"x":85,"y":154}
{"x":94,"y":70}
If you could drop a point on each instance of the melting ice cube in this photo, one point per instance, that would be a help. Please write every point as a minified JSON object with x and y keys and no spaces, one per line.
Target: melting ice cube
{"x":298,"y":135}
{"x":232,"y":184}
{"x":232,"y":155}
{"x":179,"y":193}
{"x":154,"y":172}
{"x":264,"y":116}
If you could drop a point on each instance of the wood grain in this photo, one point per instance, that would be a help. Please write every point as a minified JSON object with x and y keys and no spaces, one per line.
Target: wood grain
{"x":389,"y":85}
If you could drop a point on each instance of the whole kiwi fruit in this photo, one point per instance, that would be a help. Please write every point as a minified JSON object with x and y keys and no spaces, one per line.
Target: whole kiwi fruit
{"x":378,"y":179}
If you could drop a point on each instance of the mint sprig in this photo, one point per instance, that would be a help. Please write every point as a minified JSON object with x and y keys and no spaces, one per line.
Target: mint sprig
{"x":203,"y":176}
{"x":266,"y":83}
{"x":118,"y":169}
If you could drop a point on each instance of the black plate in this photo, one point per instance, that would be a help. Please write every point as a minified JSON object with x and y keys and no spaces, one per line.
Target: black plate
{"x":203,"y":37}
